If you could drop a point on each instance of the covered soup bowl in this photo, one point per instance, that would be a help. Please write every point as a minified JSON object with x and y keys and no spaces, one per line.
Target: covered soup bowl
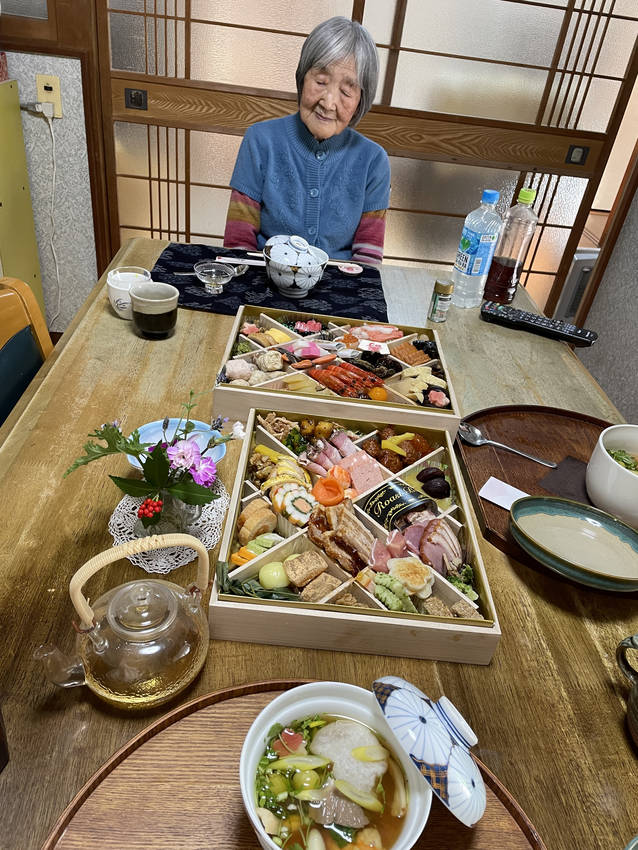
{"x":332,"y":699}
{"x":293,"y":265}
{"x":422,"y":740}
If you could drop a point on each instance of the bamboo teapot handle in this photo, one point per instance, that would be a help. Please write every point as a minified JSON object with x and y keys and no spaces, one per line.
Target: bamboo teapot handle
{"x":133,"y":547}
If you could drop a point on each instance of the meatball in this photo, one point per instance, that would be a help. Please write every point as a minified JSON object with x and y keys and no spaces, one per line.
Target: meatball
{"x":387,"y":432}
{"x":415,"y":448}
{"x":372,"y":447}
{"x":391,"y":460}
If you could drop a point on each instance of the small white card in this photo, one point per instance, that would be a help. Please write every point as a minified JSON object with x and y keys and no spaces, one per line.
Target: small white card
{"x":502,"y":494}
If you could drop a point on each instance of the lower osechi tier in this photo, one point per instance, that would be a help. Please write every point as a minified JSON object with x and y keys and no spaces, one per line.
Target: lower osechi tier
{"x":384,"y":569}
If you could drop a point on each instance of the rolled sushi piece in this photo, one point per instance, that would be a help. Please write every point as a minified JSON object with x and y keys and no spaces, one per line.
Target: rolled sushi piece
{"x":298,"y":505}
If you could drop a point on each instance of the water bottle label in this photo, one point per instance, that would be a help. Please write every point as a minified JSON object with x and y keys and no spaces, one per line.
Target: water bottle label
{"x":475,"y":251}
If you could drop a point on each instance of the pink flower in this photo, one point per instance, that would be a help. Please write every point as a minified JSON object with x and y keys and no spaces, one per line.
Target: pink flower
{"x":204,"y":471}
{"x":184,"y":454}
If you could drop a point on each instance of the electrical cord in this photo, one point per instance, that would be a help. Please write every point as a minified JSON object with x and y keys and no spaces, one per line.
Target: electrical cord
{"x":52,"y":215}
{"x":46,"y":110}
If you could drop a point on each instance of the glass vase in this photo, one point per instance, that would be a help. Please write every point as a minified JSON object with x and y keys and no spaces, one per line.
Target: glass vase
{"x":176,"y":517}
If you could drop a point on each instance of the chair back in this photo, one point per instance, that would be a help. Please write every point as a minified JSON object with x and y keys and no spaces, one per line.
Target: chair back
{"x":24,"y":341}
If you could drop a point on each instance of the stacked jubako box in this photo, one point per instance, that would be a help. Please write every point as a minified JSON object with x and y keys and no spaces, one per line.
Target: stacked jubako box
{"x":348,"y":615}
{"x":234,"y":399}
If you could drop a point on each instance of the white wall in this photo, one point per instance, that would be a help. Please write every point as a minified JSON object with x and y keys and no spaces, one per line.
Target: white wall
{"x":614,"y":316}
{"x":74,"y":241}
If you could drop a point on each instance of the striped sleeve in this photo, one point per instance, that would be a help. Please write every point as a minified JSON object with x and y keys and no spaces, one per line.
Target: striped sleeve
{"x":367,"y":245}
{"x":242,"y":222}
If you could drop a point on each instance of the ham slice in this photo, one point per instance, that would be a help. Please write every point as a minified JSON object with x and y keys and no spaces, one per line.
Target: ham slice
{"x":343,"y":442}
{"x":395,"y":544}
{"x":323,"y":460}
{"x":440,"y":547}
{"x":330,"y":451}
{"x":380,"y":557}
{"x":412,"y":536}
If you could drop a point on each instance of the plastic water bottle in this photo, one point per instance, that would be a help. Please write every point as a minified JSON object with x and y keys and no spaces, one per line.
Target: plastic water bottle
{"x":476,"y":248}
{"x":518,"y":228}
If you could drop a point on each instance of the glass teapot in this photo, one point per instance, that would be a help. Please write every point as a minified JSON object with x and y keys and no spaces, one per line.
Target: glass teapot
{"x":140,"y":643}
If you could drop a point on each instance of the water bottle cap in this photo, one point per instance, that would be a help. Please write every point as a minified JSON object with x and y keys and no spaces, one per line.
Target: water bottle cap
{"x":490,"y":196}
{"x":526,"y":196}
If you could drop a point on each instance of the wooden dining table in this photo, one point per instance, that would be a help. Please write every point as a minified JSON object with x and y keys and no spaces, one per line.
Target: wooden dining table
{"x":549,"y":710}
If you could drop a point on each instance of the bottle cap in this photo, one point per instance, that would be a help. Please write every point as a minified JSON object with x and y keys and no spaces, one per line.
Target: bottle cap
{"x":526,"y":196}
{"x":443,"y":287}
{"x":490,"y":196}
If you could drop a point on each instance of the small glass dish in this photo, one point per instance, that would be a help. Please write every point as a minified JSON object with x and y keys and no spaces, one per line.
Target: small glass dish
{"x":214,"y":276}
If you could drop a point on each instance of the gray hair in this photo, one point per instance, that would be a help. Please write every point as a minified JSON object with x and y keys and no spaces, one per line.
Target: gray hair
{"x":333,"y":41}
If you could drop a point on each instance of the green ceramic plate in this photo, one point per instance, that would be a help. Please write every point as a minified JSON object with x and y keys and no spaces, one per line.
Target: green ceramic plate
{"x":582,"y":543}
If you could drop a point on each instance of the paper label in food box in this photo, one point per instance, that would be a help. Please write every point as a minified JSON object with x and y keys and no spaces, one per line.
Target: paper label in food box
{"x":394,"y":498}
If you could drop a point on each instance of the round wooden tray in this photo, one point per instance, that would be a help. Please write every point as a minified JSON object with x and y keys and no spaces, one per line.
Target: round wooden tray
{"x":177,"y":785}
{"x":546,"y":432}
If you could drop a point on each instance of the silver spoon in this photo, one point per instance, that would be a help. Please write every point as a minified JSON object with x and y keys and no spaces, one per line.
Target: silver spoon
{"x":238,"y":271}
{"x":470,"y":434}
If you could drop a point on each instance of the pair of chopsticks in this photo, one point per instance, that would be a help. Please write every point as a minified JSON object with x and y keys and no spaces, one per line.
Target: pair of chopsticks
{"x":263,"y":262}
{"x":249,"y":262}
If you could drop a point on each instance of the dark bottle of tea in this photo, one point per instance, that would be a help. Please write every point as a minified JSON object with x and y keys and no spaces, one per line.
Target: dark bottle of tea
{"x":518,"y":228}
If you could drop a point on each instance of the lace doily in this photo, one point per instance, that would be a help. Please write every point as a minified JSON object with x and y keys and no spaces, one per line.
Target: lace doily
{"x":207,"y":528}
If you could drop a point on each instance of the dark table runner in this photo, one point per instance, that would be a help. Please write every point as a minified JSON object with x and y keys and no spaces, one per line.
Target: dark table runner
{"x":336,"y":294}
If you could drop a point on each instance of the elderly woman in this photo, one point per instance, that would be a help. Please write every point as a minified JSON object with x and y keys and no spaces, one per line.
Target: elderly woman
{"x":310,"y":173}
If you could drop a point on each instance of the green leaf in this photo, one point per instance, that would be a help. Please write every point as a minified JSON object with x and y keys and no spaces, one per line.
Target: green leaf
{"x":156,"y":468}
{"x":191,"y":493}
{"x":116,"y":443}
{"x":341,"y":835}
{"x":133,"y":487}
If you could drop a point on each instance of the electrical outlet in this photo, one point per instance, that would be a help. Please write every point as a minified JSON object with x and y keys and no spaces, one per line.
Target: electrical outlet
{"x":48,"y":91}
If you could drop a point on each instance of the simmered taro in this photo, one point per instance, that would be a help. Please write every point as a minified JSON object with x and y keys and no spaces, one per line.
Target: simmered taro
{"x":328,"y":782}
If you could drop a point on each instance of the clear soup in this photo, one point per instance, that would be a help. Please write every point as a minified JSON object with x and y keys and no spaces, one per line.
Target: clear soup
{"x":330,"y":782}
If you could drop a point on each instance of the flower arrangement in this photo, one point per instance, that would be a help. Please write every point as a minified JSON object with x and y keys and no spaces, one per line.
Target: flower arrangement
{"x":176,"y":466}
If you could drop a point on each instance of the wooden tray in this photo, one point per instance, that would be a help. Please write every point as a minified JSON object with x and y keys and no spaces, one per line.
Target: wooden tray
{"x":177,"y":785}
{"x":547,"y":432}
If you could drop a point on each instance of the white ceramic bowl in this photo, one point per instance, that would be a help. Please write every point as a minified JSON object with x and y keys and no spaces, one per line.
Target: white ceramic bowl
{"x":118,"y":285}
{"x":293,"y":266}
{"x":610,"y":486}
{"x":336,"y":698}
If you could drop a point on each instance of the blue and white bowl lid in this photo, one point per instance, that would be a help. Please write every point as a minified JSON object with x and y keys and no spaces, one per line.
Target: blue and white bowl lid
{"x":438,"y":740}
{"x":294,"y":251}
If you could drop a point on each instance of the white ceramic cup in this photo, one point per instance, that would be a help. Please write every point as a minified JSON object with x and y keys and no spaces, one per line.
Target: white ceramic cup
{"x":118,"y":285}
{"x":334,"y":698}
{"x":610,"y":486}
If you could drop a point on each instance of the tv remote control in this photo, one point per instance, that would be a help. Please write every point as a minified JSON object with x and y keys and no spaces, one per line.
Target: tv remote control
{"x":522,"y":320}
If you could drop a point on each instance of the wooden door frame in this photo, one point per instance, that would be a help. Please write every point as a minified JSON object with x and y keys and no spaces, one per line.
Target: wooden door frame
{"x":71,"y":31}
{"x":617,"y":216}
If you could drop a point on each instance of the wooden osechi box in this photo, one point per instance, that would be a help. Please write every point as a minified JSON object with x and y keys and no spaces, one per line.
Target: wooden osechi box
{"x":298,"y":391}
{"x":348,"y":615}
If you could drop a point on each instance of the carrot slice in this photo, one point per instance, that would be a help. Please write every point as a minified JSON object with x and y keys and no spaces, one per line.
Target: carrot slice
{"x":327,"y":491}
{"x":237,"y":559}
{"x":246,"y":554}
